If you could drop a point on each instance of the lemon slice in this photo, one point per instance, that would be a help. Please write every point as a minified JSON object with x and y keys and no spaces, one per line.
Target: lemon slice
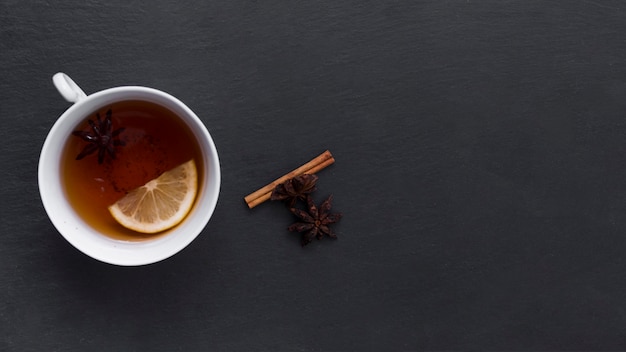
{"x":161,"y":203}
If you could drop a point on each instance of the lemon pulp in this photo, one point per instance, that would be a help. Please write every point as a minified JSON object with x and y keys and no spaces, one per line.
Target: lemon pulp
{"x":161,"y":203}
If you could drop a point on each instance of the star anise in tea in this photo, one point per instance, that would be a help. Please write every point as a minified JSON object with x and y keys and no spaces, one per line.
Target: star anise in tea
{"x":295,"y":188}
{"x":102,"y":138}
{"x":315,"y":222}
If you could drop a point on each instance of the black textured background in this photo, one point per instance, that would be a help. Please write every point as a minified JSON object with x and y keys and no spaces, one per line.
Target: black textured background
{"x":480,"y":151}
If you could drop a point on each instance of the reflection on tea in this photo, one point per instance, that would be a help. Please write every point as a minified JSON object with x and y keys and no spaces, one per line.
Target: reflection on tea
{"x":139,"y":141}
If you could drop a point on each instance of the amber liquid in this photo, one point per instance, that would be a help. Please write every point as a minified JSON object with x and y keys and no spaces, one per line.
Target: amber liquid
{"x":155,"y":141}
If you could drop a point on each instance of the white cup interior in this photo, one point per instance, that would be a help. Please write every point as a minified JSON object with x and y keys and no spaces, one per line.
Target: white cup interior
{"x":87,"y":239}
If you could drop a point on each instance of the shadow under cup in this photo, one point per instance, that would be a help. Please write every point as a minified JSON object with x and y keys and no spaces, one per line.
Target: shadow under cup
{"x":93,"y":240}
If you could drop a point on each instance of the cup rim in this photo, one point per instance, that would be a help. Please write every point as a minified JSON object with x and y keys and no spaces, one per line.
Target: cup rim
{"x":81,"y":235}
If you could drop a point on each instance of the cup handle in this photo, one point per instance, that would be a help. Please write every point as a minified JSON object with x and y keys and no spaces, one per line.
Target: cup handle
{"x":68,"y":88}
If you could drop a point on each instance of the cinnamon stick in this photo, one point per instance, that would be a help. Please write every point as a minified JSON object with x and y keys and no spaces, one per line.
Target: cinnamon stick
{"x":316,"y":164}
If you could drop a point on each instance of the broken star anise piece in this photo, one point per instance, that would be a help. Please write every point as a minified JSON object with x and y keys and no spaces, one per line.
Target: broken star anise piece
{"x":295,"y":188}
{"x":315,"y":222}
{"x":101,"y":138}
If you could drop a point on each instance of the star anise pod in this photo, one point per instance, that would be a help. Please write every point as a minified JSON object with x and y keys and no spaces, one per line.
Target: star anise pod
{"x":101,"y":138}
{"x":315,"y":222}
{"x":295,"y":188}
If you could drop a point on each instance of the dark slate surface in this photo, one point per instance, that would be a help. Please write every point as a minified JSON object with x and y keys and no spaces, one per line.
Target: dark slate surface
{"x":480,"y":148}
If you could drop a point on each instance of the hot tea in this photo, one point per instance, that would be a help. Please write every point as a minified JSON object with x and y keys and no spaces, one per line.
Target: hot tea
{"x":143,"y":140}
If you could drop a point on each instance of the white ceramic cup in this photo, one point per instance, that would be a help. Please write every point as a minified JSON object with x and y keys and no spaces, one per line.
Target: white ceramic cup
{"x":78,"y":232}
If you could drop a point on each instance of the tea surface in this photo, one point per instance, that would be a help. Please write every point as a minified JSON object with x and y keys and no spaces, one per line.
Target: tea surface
{"x":154,"y":141}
